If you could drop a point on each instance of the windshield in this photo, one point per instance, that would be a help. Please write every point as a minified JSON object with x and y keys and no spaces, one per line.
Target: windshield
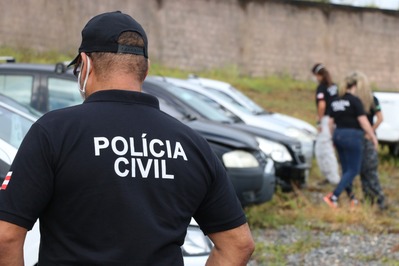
{"x":239,"y":100}
{"x":203,"y":105}
{"x":173,"y":110}
{"x":13,"y":127}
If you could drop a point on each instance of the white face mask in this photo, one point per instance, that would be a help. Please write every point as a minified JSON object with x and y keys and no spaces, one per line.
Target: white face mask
{"x":83,"y":89}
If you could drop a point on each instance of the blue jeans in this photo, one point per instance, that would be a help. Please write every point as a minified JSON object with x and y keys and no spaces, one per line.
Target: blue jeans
{"x":349,"y":145}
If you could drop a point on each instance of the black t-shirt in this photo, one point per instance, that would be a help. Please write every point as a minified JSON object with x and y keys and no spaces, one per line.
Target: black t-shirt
{"x":325,"y":93}
{"x":375,"y":108}
{"x":346,"y":110}
{"x":115,"y":181}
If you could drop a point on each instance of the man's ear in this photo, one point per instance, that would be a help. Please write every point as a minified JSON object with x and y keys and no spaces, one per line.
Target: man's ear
{"x":84,"y":57}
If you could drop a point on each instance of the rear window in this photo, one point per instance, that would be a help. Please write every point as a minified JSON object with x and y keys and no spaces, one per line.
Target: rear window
{"x":18,"y":87}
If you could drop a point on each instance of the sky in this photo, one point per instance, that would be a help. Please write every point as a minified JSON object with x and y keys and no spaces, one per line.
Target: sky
{"x":384,"y":4}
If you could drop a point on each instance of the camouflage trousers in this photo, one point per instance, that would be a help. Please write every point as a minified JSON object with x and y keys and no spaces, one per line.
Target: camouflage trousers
{"x":369,"y":174}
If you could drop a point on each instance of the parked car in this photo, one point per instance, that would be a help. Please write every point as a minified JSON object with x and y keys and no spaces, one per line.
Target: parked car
{"x":388,"y":131}
{"x":240,"y":98}
{"x":49,"y":87}
{"x":235,"y":149}
{"x":42,"y":87}
{"x":262,"y":119}
{"x":290,"y":164}
{"x":15,"y":121}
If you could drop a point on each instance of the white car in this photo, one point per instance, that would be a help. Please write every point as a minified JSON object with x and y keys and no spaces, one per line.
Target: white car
{"x":15,"y":122}
{"x":273,"y":122}
{"x":388,"y":131}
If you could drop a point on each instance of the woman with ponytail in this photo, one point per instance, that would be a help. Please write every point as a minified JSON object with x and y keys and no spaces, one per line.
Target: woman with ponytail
{"x":349,"y":124}
{"x":324,"y":150}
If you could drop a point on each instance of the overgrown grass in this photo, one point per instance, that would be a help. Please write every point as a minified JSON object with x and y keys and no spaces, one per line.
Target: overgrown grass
{"x":302,"y":208}
{"x":31,"y":56}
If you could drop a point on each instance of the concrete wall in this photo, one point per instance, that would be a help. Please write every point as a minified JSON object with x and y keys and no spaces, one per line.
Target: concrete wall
{"x":260,"y":37}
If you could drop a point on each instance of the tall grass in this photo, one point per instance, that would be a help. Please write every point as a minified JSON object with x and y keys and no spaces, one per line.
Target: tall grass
{"x":32,"y":56}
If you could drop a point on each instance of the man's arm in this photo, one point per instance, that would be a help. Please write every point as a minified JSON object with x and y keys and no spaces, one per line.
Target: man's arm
{"x":12,"y":239}
{"x":232,"y":247}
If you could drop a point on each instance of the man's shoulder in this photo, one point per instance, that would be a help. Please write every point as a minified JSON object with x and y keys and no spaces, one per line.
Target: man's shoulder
{"x":57,"y":118}
{"x":63,"y":112}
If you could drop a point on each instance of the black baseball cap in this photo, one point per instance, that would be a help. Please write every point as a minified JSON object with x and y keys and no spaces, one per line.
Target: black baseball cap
{"x":101,"y":34}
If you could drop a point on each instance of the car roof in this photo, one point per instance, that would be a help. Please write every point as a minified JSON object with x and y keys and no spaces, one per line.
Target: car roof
{"x":59,"y":68}
{"x":209,"y":82}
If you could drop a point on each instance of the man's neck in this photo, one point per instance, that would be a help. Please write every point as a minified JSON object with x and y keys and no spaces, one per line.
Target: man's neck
{"x":120,"y":83}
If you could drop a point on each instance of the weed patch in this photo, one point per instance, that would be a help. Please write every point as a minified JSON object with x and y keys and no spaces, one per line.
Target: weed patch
{"x":276,"y":253}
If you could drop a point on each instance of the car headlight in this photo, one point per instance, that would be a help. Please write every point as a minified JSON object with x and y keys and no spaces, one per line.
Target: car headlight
{"x":276,"y":151}
{"x":196,"y":243}
{"x":239,"y":159}
{"x":298,"y":134}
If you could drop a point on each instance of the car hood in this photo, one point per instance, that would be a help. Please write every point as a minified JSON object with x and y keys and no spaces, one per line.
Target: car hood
{"x":266,"y":121}
{"x":223,"y":134}
{"x":266,"y":134}
{"x":298,"y":123}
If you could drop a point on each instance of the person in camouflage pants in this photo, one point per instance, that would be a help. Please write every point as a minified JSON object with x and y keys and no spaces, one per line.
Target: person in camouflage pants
{"x":371,"y":187}
{"x":369,"y":175}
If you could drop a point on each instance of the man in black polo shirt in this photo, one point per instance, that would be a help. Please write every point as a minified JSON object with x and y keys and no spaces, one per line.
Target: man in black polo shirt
{"x":115,"y":181}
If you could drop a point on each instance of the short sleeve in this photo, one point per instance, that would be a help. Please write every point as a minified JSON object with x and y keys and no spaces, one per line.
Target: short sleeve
{"x":320,"y":93}
{"x":221,"y":209}
{"x":377,"y":106}
{"x":358,"y":107}
{"x":30,"y":180}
